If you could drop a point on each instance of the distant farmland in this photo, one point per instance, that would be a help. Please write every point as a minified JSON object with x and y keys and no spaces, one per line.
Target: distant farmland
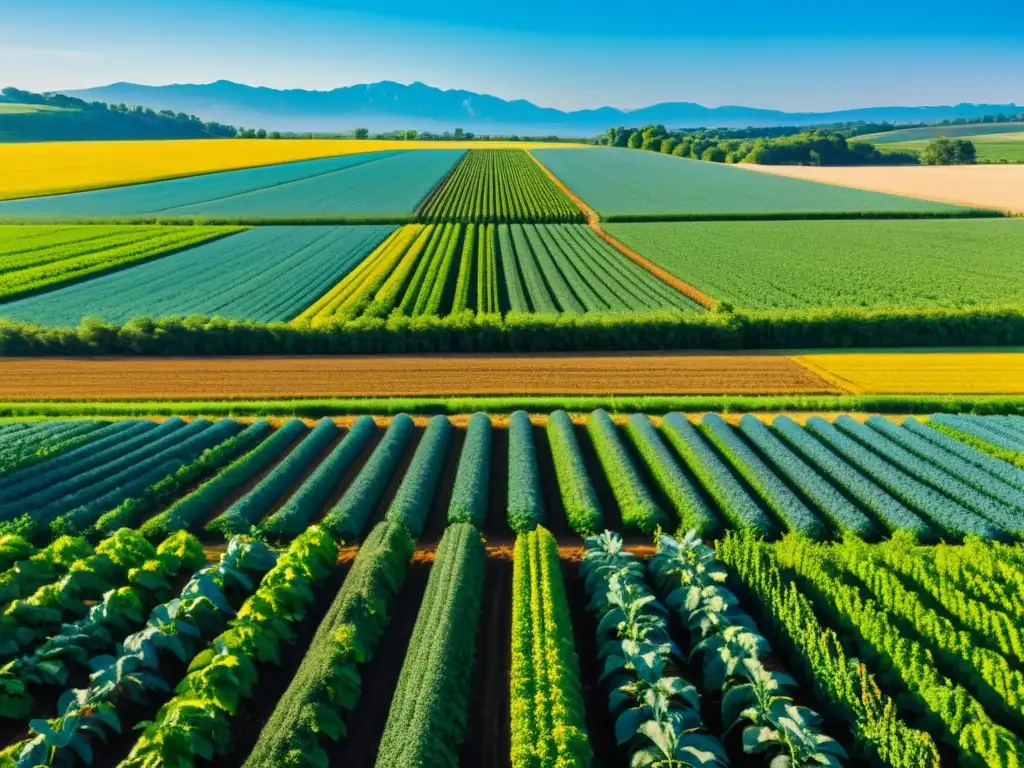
{"x":929,"y":132}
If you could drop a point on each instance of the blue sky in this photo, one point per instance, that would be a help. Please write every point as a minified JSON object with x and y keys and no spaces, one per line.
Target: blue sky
{"x":781,"y":54}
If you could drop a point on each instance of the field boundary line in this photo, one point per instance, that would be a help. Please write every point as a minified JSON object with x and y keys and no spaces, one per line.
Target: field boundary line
{"x":845,"y":385}
{"x":594,"y":222}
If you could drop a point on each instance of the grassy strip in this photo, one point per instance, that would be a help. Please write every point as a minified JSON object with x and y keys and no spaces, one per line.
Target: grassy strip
{"x":524,"y":331}
{"x":496,"y":405}
{"x":953,"y":213}
{"x":225,"y":221}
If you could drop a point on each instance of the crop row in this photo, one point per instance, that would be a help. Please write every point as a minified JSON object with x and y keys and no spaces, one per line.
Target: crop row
{"x":498,"y":186}
{"x":443,"y":269}
{"x":820,"y":480}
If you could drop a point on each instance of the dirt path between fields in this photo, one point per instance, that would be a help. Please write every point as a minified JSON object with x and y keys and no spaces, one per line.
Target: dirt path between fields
{"x":397,"y":376}
{"x":594,"y":222}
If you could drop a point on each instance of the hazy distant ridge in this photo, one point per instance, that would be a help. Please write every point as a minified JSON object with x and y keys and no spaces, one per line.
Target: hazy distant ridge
{"x":387,"y":106}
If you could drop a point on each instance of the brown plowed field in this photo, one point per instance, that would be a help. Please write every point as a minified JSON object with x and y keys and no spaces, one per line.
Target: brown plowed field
{"x":373,"y":376}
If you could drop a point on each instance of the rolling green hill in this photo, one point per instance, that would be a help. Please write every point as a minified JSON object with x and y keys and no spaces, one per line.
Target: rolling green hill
{"x":927,"y":132}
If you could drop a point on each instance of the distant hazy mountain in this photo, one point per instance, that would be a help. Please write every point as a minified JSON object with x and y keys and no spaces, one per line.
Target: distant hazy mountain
{"x":389,"y":106}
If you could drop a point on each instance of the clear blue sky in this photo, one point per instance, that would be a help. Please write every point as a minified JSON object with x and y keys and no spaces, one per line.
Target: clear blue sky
{"x":779,"y":54}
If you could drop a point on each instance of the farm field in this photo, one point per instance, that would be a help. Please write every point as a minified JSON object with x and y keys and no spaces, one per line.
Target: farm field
{"x":385,"y":536}
{"x":390,"y":183}
{"x":993,"y":187}
{"x":266,"y":274}
{"x":35,"y":259}
{"x":929,"y":132}
{"x":406,"y":375}
{"x":836,"y":264}
{"x":1003,"y":147}
{"x":442,"y":269}
{"x":53,"y":168}
{"x":623,"y":183}
{"x":498,"y":186}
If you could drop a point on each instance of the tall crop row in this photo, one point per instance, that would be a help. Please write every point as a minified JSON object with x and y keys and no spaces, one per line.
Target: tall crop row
{"x":498,"y":186}
{"x":427,"y":720}
{"x":548,"y":724}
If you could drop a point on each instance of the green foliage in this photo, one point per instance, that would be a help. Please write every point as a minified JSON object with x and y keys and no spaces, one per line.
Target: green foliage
{"x":946,"y":514}
{"x":657,"y":714}
{"x":618,"y":182}
{"x":638,"y":507}
{"x":579,"y":499}
{"x":133,"y":511}
{"x":470,"y":497}
{"x":772,"y":491}
{"x":689,"y":506}
{"x":254,"y":505}
{"x":548,"y":720}
{"x":806,"y":265}
{"x":427,"y":720}
{"x":844,"y":515}
{"x":733,"y":500}
{"x":191,"y":509}
{"x":33,"y":445}
{"x":529,"y":332}
{"x":196,"y":722}
{"x":943,"y":151}
{"x":415,"y":496}
{"x":498,"y":185}
{"x":732,"y":653}
{"x":974,"y":450}
{"x":525,"y":508}
{"x":296,"y":513}
{"x":347,"y":519}
{"x":845,"y":476}
{"x":327,"y":685}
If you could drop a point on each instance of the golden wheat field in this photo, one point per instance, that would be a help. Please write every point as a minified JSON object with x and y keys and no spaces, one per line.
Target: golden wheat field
{"x":56,"y":167}
{"x":1000,"y":187}
{"x":921,"y":373}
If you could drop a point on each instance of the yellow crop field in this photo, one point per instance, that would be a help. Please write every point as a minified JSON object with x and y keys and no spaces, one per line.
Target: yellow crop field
{"x":51,"y":168}
{"x":921,"y":373}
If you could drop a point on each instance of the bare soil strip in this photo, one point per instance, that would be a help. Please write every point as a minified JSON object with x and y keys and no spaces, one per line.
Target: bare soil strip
{"x":999,"y":187}
{"x":410,"y":376}
{"x":594,"y":222}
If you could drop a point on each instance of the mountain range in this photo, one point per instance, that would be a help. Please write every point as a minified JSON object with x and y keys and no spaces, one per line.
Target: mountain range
{"x":387,"y":106}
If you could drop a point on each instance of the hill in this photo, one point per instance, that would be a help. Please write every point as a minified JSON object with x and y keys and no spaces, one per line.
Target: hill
{"x":30,"y":117}
{"x":387,"y":106}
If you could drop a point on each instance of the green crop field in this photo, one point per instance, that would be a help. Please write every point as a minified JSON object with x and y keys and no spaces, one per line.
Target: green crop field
{"x":41,"y":258}
{"x":626,"y":183}
{"x":809,"y":264}
{"x":929,"y":132}
{"x":444,"y":269}
{"x":997,"y":148}
{"x":268,"y":589}
{"x":502,"y":185}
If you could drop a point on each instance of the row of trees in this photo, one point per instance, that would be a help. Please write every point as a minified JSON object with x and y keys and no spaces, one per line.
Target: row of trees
{"x":805,"y":147}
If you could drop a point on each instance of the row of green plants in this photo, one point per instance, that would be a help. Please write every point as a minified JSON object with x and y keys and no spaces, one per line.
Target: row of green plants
{"x":548,"y":721}
{"x":498,"y":185}
{"x":976,"y":497}
{"x":254,"y":506}
{"x":817,"y":653}
{"x":737,"y":663}
{"x":191,"y":510}
{"x":426,"y":723}
{"x":292,"y":517}
{"x":35,"y":443}
{"x":917,"y":660}
{"x":347,"y":519}
{"x":470,"y":490}
{"x":526,"y":332}
{"x":579,"y":499}
{"x":144,"y":663}
{"x":657,"y":713}
{"x":196,"y":722}
{"x":327,"y":686}
{"x":526,"y":509}
{"x":123,"y":559}
{"x":415,"y":495}
{"x":979,"y":435}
